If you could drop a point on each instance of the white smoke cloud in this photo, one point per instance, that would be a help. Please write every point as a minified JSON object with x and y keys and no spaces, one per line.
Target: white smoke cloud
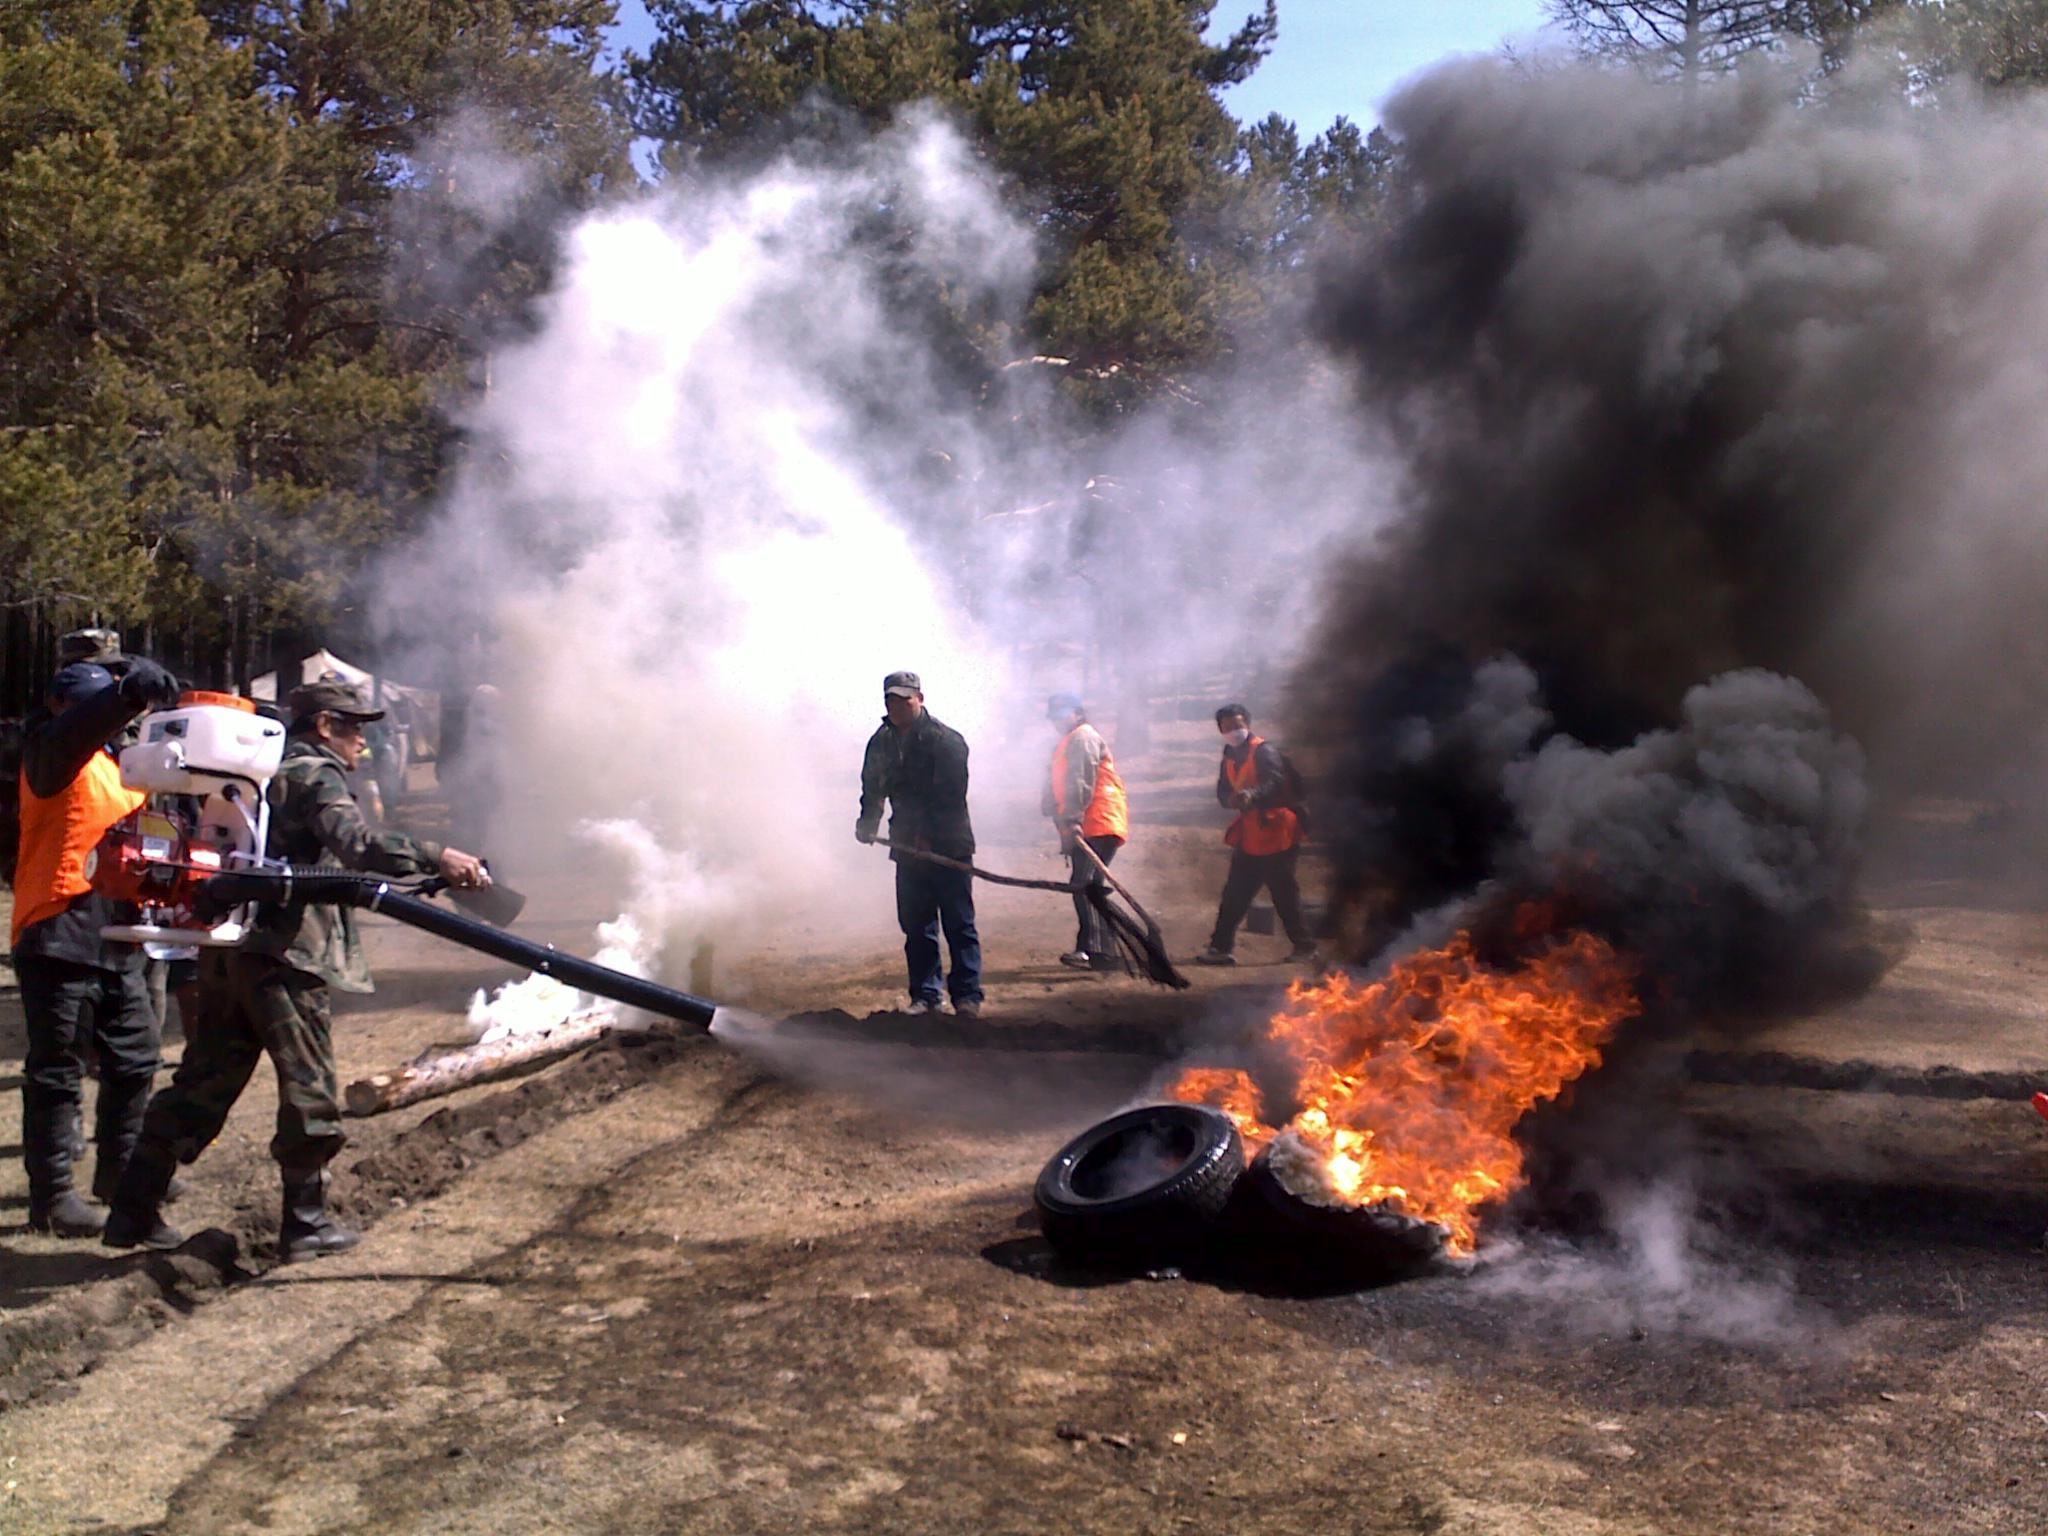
{"x":734,"y":477}
{"x":691,"y":591}
{"x":1660,"y":1267}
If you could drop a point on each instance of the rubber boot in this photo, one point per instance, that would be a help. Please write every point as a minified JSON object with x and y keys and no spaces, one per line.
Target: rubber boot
{"x":122,"y":1104}
{"x":307,"y":1231}
{"x":135,"y":1221}
{"x":118,"y":1113}
{"x":49,"y":1130}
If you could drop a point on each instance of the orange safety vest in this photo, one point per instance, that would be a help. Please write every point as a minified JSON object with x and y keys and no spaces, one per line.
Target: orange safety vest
{"x":1264,"y":831}
{"x":58,"y":835}
{"x":1107,"y":815}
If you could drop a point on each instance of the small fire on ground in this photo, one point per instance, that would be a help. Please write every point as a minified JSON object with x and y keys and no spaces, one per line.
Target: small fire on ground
{"x":1406,"y":1091}
{"x":536,"y":1005}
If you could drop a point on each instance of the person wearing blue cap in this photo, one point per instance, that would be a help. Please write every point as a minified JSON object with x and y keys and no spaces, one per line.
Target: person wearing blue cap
{"x":71,"y":978}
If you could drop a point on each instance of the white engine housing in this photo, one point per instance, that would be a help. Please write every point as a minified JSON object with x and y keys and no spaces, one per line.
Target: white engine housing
{"x":198,"y":748}
{"x":225,"y":758}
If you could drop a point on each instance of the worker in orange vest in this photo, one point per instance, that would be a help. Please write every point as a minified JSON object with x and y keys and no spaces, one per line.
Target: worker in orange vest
{"x":1085,"y":799}
{"x":1265,"y":839}
{"x":71,"y":793}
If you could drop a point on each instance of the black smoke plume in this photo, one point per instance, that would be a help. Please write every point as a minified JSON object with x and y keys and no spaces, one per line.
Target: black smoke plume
{"x":1697,"y":393}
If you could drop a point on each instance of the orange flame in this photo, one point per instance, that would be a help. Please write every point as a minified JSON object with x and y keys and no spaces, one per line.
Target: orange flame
{"x":1411,"y":1087}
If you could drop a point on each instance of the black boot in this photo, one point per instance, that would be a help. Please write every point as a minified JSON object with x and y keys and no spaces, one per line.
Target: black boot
{"x":135,"y":1221}
{"x":122,"y":1104}
{"x":49,"y":1130}
{"x":307,"y":1231}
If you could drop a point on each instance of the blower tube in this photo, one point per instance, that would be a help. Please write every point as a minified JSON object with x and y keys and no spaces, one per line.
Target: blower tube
{"x":375,"y":894}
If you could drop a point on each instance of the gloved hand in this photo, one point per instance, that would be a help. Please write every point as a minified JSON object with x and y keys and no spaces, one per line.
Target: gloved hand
{"x":147,"y":685}
{"x":863,"y":833}
{"x":1067,"y":836}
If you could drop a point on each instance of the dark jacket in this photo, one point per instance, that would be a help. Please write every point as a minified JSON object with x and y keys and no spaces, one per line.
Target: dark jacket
{"x":922,"y":773}
{"x":54,"y":751}
{"x":1270,"y":792}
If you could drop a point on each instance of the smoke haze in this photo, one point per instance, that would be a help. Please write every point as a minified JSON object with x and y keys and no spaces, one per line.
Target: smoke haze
{"x":742,"y":469}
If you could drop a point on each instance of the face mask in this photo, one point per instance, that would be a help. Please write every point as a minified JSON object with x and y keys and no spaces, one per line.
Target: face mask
{"x":1238,"y":737}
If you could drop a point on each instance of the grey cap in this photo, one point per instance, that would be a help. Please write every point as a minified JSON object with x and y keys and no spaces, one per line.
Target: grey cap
{"x":333,"y":697}
{"x":902,"y":684}
{"x":95,"y":645}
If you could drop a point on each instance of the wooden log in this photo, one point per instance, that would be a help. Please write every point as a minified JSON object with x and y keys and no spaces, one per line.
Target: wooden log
{"x":430,"y":1076}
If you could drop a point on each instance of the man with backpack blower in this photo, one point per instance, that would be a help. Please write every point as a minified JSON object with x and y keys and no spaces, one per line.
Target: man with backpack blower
{"x":268,"y":997}
{"x":1256,"y":780}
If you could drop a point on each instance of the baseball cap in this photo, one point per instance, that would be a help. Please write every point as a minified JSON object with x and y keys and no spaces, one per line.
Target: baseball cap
{"x":332,"y":697}
{"x":80,"y":680}
{"x":902,"y":684}
{"x":1062,"y":704}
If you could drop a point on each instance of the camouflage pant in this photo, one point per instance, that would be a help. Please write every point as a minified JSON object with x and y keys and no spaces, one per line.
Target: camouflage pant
{"x":252,"y":1006}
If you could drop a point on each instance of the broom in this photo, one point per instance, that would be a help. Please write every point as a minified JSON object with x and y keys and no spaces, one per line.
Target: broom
{"x":1139,"y":938}
{"x":1144,"y":946}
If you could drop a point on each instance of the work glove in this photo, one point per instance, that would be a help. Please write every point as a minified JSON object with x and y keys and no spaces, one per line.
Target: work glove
{"x":863,"y":833}
{"x":146,"y":685}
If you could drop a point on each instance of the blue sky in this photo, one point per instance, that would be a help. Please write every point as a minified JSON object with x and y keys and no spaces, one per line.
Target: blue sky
{"x":1333,"y":56}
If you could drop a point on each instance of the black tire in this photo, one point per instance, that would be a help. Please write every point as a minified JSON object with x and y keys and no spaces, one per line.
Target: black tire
{"x":1322,"y":1246}
{"x":1143,"y":1189}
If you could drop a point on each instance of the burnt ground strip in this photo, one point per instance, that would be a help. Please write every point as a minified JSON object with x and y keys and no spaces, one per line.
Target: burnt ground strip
{"x":1784,"y":1070}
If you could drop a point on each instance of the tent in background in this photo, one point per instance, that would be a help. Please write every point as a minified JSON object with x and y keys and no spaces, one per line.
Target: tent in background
{"x":415,"y":712}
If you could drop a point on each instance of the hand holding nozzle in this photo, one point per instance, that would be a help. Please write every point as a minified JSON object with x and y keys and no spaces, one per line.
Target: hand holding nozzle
{"x":464,"y":871}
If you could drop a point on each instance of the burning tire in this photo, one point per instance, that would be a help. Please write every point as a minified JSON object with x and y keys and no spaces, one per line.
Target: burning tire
{"x":1308,"y":1242}
{"x":1142,"y":1189}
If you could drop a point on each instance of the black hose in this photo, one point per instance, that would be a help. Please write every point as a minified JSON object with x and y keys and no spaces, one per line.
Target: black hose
{"x":376,"y":894}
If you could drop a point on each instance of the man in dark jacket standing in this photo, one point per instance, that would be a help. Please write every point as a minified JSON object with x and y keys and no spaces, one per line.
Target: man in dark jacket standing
{"x":71,"y":793}
{"x":269,"y":996}
{"x":920,"y":767}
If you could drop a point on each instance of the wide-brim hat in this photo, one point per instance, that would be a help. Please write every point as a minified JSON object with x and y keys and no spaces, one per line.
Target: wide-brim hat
{"x":332,"y":697}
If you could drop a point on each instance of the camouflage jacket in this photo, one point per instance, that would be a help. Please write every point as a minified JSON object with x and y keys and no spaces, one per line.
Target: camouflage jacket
{"x":315,"y":821}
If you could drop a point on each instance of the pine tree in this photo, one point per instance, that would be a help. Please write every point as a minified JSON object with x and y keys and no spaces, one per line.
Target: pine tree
{"x":1690,"y":40}
{"x":1104,"y":113}
{"x":241,"y":265}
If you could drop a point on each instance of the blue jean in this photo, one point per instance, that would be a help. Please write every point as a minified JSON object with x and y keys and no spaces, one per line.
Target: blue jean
{"x":928,"y":898}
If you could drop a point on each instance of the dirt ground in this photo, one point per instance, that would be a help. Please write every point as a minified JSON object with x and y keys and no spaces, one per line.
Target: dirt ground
{"x":677,"y":1286}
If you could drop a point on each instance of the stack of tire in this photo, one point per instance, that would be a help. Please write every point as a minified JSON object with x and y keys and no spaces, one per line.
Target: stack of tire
{"x":1166,"y":1186}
